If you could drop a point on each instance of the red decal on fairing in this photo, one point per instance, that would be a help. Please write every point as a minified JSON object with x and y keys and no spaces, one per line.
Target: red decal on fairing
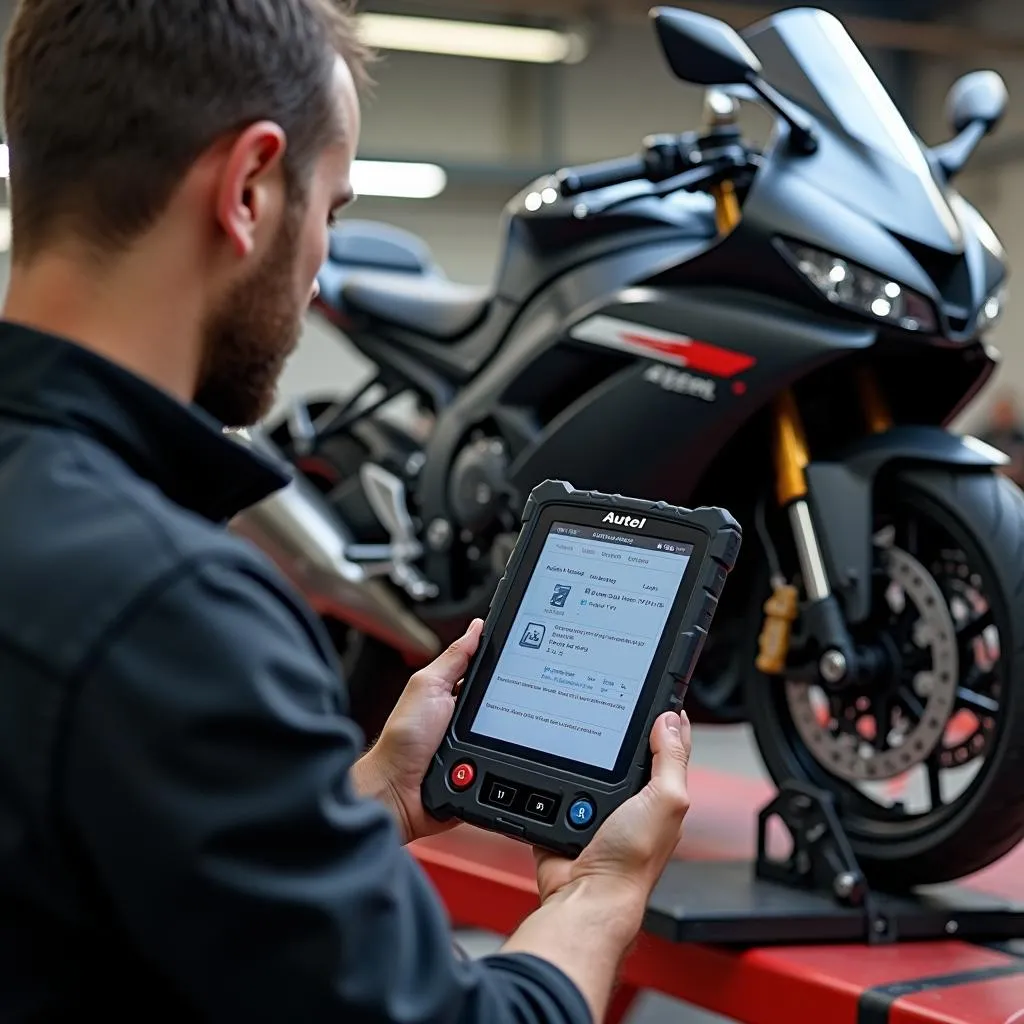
{"x":698,"y":356}
{"x":664,"y":346}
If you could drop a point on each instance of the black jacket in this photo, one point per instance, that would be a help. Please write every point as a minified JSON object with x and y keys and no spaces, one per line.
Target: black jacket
{"x":179,"y":839}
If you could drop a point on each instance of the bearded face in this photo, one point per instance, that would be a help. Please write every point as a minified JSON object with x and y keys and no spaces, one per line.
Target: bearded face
{"x":250,"y":337}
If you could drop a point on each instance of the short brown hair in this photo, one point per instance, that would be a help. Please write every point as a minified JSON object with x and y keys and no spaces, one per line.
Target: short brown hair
{"x":109,"y":102}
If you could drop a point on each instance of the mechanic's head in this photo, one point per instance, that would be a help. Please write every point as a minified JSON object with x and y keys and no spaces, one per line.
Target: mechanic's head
{"x":209,"y":132}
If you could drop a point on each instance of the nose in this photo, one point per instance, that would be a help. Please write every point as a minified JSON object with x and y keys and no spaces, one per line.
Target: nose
{"x":315,"y":291}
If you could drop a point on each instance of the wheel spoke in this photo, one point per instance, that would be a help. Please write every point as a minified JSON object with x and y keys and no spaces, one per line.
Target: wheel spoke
{"x":917,"y":659}
{"x":907,"y":536}
{"x":978,"y":679}
{"x":934,"y":779}
{"x":976,"y":701}
{"x":911,"y":703}
{"x":903,"y":625}
{"x":965,"y":634}
{"x":883,"y":722}
{"x":843,"y":722}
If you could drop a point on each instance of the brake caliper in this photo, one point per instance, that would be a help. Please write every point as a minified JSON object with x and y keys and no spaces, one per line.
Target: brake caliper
{"x":780,"y":612}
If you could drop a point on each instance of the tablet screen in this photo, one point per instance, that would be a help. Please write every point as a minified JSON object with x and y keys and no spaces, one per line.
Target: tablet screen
{"x":571,"y":670}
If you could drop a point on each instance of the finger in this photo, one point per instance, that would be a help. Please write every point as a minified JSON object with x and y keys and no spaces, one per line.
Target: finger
{"x":671,"y":743}
{"x":450,"y":666}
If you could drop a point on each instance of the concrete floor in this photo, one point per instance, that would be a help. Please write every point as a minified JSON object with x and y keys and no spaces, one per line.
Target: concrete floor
{"x":728,"y":749}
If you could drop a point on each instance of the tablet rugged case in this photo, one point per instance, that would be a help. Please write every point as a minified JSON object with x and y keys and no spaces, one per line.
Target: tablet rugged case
{"x":558,"y":834}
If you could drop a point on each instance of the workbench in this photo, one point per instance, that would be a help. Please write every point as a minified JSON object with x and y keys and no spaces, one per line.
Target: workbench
{"x":488,"y":882}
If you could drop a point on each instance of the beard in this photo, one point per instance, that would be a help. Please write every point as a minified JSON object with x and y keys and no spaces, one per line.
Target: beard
{"x":250,"y":337}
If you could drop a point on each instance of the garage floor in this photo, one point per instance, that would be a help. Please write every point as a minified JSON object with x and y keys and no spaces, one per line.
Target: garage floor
{"x":728,"y":749}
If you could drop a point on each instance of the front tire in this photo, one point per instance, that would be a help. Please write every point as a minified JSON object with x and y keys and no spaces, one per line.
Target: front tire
{"x":966,"y":532}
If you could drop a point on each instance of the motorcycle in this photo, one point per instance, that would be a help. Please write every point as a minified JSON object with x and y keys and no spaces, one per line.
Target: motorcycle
{"x":787,"y":332}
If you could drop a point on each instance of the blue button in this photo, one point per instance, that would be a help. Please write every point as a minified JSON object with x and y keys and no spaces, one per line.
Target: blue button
{"x":581,"y":813}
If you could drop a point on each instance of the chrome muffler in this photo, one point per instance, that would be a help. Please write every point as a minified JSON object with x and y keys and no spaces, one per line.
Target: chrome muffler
{"x":309,"y":543}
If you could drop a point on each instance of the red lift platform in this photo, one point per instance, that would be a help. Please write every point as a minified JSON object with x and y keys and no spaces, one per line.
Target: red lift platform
{"x":713,"y":932}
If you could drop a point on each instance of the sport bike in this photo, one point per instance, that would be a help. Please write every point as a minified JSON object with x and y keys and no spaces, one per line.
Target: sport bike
{"x":786,"y":330}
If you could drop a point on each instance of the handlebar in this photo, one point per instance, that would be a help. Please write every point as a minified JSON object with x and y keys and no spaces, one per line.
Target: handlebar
{"x":666,"y":160}
{"x":663,"y":157}
{"x":575,"y":180}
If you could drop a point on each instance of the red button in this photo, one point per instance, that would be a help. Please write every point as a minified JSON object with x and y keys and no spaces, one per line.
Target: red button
{"x":462,"y":775}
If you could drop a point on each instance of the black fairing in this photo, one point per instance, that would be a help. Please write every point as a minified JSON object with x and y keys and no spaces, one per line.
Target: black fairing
{"x":869,"y":192}
{"x":555,"y":238}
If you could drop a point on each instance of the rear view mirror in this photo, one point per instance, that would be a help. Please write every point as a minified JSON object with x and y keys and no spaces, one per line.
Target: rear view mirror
{"x":703,"y":50}
{"x":977,"y":98}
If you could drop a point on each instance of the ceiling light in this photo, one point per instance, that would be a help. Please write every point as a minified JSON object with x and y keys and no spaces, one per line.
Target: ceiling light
{"x":392,"y":178}
{"x":471,"y":39}
{"x":397,"y":179}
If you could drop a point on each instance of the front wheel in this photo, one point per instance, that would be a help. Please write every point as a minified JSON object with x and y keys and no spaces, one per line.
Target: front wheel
{"x":927,"y":759}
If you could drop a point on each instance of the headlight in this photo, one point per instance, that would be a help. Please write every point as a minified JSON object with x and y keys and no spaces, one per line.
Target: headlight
{"x":992,"y":308}
{"x":862,"y":291}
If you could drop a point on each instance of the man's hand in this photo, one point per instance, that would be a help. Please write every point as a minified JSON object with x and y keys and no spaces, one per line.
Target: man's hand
{"x":392,"y":771}
{"x":630,"y":850}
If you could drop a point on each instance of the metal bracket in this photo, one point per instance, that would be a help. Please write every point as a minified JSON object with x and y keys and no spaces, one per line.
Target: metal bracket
{"x":386,"y":494}
{"x":821,"y":857}
{"x":301,"y":428}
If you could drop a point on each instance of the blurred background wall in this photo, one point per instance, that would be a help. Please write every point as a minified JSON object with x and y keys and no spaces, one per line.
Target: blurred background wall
{"x":494,"y":124}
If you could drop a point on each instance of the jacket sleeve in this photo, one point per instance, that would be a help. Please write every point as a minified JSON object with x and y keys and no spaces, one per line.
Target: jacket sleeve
{"x":206,"y":780}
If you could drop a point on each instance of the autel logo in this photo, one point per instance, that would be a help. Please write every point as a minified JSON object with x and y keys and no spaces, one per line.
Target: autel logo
{"x":635,"y":524}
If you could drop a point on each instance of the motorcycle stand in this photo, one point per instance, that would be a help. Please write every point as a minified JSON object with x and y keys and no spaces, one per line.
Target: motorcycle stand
{"x":817,"y":893}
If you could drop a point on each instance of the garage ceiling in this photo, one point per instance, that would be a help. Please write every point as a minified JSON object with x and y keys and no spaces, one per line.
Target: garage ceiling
{"x":911,"y":25}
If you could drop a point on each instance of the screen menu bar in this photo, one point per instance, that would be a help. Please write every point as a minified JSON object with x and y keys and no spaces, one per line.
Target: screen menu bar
{"x":597,"y":533}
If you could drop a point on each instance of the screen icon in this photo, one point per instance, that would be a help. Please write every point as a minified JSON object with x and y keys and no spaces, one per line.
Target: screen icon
{"x":533,"y":635}
{"x":558,"y":598}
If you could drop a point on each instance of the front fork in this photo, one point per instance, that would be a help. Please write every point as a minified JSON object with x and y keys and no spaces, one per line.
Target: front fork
{"x":823,"y":618}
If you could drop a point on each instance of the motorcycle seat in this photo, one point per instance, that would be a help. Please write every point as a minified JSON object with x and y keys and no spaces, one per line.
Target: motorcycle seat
{"x":368,"y":244}
{"x":427,"y":304}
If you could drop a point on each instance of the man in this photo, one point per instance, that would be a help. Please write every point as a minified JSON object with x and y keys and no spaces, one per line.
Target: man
{"x":187,"y":831}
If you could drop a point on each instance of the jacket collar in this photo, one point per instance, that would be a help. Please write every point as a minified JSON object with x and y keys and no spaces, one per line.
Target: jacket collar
{"x":179,"y":448}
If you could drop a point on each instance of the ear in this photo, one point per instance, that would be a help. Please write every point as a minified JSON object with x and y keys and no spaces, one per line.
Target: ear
{"x":248,"y":191}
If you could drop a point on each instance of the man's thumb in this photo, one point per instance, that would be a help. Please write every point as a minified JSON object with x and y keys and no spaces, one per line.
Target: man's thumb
{"x":671,"y":741}
{"x":451,"y":664}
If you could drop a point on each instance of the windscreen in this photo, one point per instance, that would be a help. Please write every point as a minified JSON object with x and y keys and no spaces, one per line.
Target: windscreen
{"x":809,"y":56}
{"x":571,"y":671}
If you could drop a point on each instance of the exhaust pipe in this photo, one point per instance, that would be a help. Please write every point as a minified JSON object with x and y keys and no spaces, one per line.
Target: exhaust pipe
{"x":303,"y":535}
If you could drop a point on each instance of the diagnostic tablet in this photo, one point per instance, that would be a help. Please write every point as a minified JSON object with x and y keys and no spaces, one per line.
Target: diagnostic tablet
{"x":593,"y":632}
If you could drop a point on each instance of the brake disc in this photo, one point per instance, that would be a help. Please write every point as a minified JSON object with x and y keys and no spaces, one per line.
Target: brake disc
{"x":858,"y":758}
